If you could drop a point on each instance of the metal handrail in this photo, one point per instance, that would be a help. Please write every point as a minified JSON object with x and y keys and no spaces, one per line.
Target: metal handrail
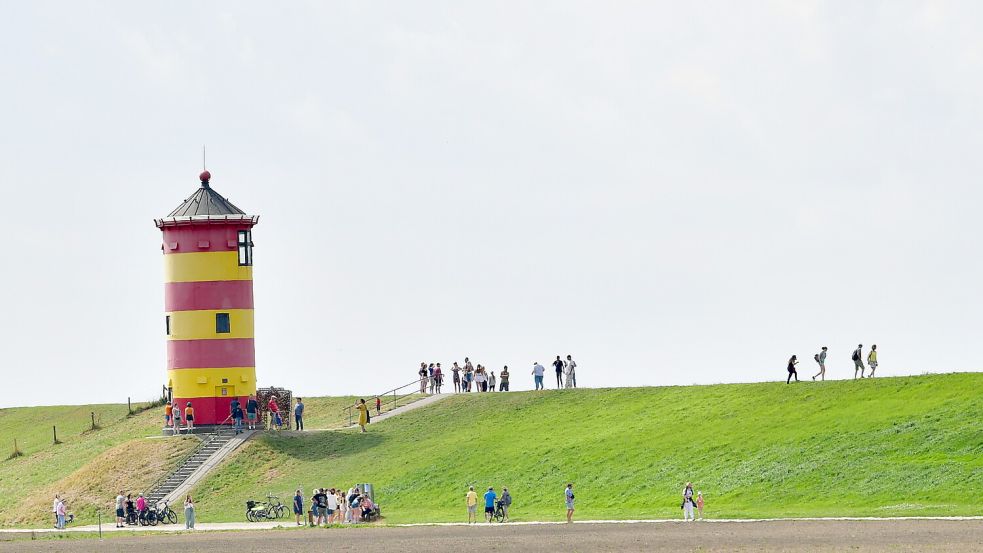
{"x":395,"y":399}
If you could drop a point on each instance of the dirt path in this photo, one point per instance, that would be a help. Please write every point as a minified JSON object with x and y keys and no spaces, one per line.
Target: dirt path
{"x":796,"y":536}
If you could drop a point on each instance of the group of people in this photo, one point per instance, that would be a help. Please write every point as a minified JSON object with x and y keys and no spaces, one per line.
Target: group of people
{"x":477,"y":378}
{"x":491,"y":501}
{"x":243,"y":416}
{"x":60,"y":511}
{"x":335,"y":506}
{"x":566,"y":373}
{"x":691,"y":502}
{"x":857,"y":357}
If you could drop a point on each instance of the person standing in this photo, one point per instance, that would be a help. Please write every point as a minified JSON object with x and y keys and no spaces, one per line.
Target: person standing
{"x":60,"y":514}
{"x":872,"y":360}
{"x":571,"y":369}
{"x":274,"y":411}
{"x":490,"y":498}
{"x":688,"y":502}
{"x":792,"y":362}
{"x":120,"y":513}
{"x":438,"y":378}
{"x":430,"y":378}
{"x":299,"y":506}
{"x":176,"y":412}
{"x":363,"y":413}
{"x":506,"y":503}
{"x":378,"y":405}
{"x":189,"y":513}
{"x":169,"y":416}
{"x":252,"y":407}
{"x":54,"y":509}
{"x":699,"y":504}
{"x":821,"y":359}
{"x":423,"y":377}
{"x":299,"y":414}
{"x":537,"y":373}
{"x":491,"y":382}
{"x":332,"y":505}
{"x":237,"y":419}
{"x":568,"y":495}
{"x":858,"y":361}
{"x":504,"y":375}
{"x":472,"y":500}
{"x":456,"y":371}
{"x":480,"y":380}
{"x":558,"y":365}
{"x":189,"y":417}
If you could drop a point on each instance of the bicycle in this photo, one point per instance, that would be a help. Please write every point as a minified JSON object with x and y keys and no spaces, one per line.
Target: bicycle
{"x":272,"y":508}
{"x":499,"y":514}
{"x":163,"y":514}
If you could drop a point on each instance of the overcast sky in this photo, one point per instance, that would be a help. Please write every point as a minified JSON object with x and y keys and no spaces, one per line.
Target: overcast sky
{"x":672,"y":192}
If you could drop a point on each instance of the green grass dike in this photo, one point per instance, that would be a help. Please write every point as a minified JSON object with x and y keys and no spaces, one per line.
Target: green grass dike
{"x":882,"y":447}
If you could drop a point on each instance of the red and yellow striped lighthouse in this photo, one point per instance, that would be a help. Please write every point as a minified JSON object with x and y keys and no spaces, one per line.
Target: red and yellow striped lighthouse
{"x":208,"y":303}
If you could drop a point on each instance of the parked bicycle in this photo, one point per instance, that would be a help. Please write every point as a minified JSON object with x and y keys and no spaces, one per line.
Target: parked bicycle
{"x":270,"y":509}
{"x":163,"y":514}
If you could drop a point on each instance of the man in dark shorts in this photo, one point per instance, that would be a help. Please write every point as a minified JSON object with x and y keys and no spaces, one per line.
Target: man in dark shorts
{"x":490,"y":498}
{"x":558,"y":365}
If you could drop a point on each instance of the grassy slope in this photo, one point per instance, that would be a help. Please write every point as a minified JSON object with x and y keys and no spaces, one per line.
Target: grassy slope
{"x":31,"y":479}
{"x":886,"y":447}
{"x":329,"y":412}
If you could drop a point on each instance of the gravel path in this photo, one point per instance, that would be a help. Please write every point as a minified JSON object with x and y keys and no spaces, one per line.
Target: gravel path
{"x":795,"y":536}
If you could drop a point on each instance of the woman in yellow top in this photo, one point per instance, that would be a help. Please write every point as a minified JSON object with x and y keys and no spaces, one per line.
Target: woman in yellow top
{"x":189,"y":416}
{"x":872,"y":360}
{"x":363,"y":414}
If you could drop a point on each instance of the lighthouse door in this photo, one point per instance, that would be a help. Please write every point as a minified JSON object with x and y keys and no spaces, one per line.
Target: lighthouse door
{"x":223,"y":399}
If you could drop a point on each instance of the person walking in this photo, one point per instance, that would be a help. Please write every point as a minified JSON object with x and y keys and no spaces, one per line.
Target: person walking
{"x":558,"y":365}
{"x":423,"y":377}
{"x":699,"y":504}
{"x":792,"y":362}
{"x":872,"y":360}
{"x":490,"y":498}
{"x":504,"y":376}
{"x":506,"y":503}
{"x":252,"y":407}
{"x":299,"y":506}
{"x":537,"y":373}
{"x":189,"y":417}
{"x":189,"y":513}
{"x":363,"y":413}
{"x":570,"y":367}
{"x":299,"y":414}
{"x":378,"y":405}
{"x":120,"y":512}
{"x":688,"y":502}
{"x":491,"y":382}
{"x":821,"y":359}
{"x":568,"y":495}
{"x":858,"y":361}
{"x":471,"y":498}
{"x":456,"y":372}
{"x":60,"y":514}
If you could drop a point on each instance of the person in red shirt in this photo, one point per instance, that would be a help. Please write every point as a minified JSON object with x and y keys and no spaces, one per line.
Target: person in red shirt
{"x":378,"y":406}
{"x":274,"y":413}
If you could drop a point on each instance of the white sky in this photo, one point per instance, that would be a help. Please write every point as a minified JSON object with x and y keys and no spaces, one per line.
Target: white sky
{"x":672,"y":192}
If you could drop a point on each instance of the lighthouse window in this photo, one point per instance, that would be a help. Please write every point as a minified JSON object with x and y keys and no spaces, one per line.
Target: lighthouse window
{"x":222,"y":324}
{"x":167,"y":324}
{"x":245,"y":247}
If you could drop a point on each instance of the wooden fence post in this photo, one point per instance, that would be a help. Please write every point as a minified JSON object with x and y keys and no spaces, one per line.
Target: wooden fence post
{"x":129,"y":408}
{"x":93,"y":415}
{"x":54,"y":435}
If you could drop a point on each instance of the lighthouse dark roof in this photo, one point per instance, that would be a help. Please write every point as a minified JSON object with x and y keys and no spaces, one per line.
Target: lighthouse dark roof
{"x":205,"y":201}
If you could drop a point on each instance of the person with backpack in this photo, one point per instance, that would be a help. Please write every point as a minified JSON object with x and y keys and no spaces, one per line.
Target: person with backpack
{"x":821,"y":359}
{"x":791,"y":370}
{"x":558,"y":366}
{"x":858,"y":361}
{"x":872,"y":360}
{"x":568,"y":496}
{"x":506,"y":503}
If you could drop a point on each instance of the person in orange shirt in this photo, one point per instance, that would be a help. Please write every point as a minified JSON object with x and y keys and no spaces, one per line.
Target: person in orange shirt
{"x":168,"y":415}
{"x":189,"y":416}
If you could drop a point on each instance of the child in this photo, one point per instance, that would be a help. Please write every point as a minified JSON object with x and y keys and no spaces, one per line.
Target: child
{"x":699,"y":504}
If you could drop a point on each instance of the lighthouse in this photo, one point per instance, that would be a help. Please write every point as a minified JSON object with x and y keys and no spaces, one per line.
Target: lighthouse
{"x":208,"y":303}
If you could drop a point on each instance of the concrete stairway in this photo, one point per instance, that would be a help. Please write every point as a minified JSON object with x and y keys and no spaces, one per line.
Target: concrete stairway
{"x":215,"y":446}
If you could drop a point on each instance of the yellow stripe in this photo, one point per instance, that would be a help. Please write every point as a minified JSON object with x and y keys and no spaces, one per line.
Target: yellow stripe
{"x":204,"y":266}
{"x":200,"y":325}
{"x":190,"y":383}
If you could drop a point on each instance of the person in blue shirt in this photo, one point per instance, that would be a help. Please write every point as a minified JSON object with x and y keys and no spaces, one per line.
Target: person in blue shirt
{"x":299,"y":506}
{"x":490,"y":498}
{"x":299,"y":414}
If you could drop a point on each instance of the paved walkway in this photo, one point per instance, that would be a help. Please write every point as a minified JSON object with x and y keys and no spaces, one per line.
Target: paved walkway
{"x":429,"y":400}
{"x":289,"y":523}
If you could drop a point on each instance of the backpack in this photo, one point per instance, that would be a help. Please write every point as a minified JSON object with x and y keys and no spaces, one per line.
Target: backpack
{"x":816,"y":357}
{"x":855,"y":357}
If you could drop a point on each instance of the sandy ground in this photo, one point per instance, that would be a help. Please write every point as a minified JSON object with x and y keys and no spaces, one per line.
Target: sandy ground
{"x":905,"y":535}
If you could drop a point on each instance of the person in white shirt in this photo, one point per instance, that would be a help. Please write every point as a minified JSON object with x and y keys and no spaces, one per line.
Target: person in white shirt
{"x":537,"y":373}
{"x":54,"y":509}
{"x":570,"y":368}
{"x":821,"y":359}
{"x":332,"y":506}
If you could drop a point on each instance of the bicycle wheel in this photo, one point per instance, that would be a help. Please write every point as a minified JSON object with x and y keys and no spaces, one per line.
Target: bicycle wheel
{"x":152,"y":518}
{"x":250,"y":516}
{"x":499,"y":514}
{"x":171,"y":516}
{"x":280,"y":510}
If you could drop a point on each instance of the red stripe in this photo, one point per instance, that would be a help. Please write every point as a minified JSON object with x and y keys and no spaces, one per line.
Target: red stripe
{"x":223,"y":294}
{"x":191,"y":238}
{"x":211,"y":354}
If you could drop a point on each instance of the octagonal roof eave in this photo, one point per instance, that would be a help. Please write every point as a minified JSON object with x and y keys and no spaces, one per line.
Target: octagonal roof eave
{"x":251,"y":220}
